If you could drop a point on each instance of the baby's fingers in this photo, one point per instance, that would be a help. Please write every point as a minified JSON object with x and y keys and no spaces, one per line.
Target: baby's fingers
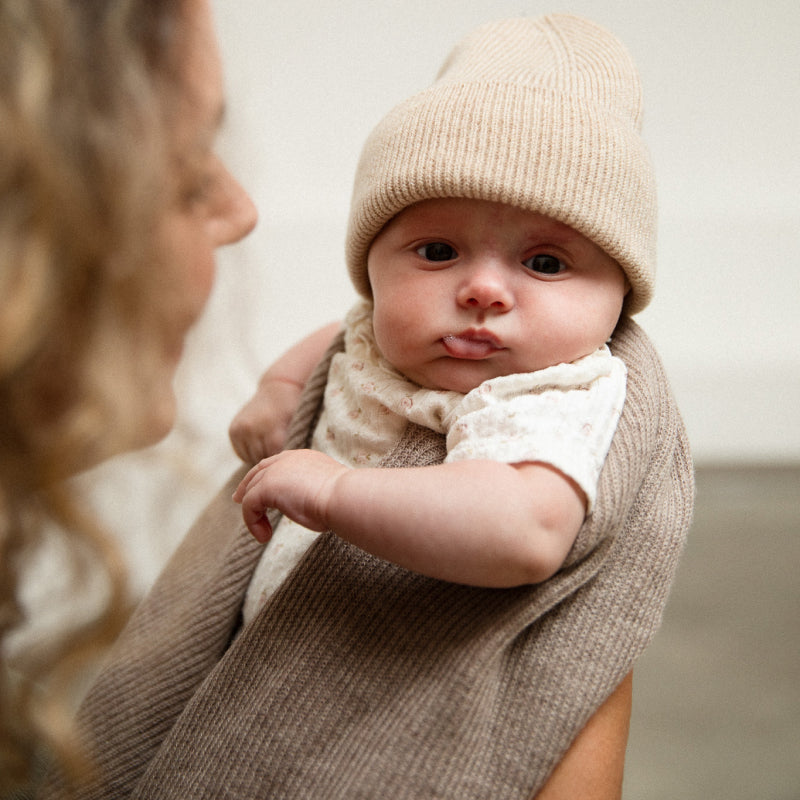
{"x":254,"y":510}
{"x":257,"y":523}
{"x":245,"y":482}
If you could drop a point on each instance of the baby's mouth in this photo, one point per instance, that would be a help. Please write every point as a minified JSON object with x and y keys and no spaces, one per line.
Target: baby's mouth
{"x":471,"y":345}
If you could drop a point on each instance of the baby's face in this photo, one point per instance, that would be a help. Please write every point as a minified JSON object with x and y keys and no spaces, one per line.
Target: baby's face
{"x":468,"y":290}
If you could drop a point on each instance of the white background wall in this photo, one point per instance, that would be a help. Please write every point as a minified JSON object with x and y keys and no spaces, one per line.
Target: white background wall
{"x":308,"y":79}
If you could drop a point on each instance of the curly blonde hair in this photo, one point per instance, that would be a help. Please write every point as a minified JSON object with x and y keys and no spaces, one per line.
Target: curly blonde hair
{"x":85,"y":88}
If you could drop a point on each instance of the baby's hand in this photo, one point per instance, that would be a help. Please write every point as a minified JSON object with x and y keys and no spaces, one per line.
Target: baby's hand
{"x":259,"y":429}
{"x":299,"y":483}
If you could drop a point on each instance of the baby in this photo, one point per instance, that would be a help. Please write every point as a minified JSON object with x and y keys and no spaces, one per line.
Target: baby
{"x":493,"y":273}
{"x":488,"y":323}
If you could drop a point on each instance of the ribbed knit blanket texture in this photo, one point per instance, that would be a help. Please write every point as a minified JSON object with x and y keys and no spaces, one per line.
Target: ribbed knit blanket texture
{"x":359,"y":679}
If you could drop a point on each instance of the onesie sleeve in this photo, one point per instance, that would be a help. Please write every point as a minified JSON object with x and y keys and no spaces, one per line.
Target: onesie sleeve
{"x":564,"y":415}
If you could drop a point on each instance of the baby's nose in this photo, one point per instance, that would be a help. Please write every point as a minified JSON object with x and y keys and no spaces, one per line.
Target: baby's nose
{"x":485,"y":289}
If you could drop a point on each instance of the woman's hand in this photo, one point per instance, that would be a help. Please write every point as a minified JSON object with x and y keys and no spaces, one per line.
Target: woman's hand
{"x":259,"y":429}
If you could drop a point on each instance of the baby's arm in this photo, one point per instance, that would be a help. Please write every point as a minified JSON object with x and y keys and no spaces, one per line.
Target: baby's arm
{"x":259,"y":429}
{"x":482,"y":523}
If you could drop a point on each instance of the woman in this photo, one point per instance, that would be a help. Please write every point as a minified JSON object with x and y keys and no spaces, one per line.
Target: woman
{"x":113,"y":202}
{"x":125,"y":93}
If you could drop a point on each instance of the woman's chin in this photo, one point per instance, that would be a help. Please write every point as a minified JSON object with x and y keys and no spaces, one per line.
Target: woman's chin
{"x":153,"y":424}
{"x":161,"y":419}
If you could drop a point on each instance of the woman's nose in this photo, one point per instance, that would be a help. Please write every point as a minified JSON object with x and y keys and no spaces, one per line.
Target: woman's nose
{"x":235,"y":216}
{"x":485,"y":288}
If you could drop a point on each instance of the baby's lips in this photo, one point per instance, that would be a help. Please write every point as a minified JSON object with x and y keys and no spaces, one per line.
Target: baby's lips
{"x":474,"y":348}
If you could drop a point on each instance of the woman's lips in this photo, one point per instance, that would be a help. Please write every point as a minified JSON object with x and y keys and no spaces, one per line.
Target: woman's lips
{"x":471,"y":344}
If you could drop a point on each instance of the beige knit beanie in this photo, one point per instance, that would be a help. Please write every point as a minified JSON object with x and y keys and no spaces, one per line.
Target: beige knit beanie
{"x":543,"y":114}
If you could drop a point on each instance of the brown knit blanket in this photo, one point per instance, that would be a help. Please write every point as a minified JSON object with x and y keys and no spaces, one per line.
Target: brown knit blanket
{"x":359,"y":679}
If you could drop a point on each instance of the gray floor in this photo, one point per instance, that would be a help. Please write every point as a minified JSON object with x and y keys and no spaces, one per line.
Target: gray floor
{"x":717,"y":695}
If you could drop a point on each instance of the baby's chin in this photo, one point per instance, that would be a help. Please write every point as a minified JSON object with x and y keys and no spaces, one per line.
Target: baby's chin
{"x":460,"y":376}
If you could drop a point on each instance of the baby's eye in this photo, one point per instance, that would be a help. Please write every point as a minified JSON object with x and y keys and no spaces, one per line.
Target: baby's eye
{"x":544,"y":264}
{"x":437,"y":251}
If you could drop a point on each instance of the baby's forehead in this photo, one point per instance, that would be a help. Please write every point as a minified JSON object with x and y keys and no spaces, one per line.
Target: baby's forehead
{"x":457,"y":211}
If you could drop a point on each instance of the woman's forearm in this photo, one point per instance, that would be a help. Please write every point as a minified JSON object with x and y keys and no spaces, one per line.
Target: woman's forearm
{"x":593,"y":767}
{"x":298,"y":362}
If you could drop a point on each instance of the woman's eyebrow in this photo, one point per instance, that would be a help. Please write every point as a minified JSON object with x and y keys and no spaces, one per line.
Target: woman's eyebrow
{"x":205,"y":134}
{"x":218,"y":120}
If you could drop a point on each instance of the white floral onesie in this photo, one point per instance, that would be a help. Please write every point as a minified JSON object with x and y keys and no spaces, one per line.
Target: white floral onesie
{"x":564,"y":415}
